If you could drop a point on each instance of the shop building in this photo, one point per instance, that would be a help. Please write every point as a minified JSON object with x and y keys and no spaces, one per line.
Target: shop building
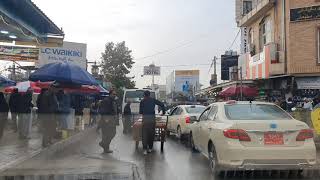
{"x":280,"y":47}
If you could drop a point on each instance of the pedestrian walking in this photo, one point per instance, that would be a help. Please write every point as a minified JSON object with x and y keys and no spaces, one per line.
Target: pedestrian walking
{"x":307,"y":105}
{"x":78,"y":105}
{"x":107,"y":123}
{"x":25,"y":118}
{"x":47,"y":104}
{"x":93,"y":113}
{"x":64,"y":108}
{"x":127,"y":118}
{"x":13,"y":105}
{"x":4,"y":109}
{"x":147,"y":109}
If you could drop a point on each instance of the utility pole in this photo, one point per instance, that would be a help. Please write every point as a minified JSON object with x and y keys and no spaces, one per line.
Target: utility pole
{"x":14,"y":71}
{"x":240,"y":83}
{"x":215,"y":65}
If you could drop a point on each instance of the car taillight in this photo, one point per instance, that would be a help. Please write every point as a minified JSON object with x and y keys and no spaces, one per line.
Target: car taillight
{"x":187,"y":119}
{"x":236,"y":134}
{"x":305,"y":134}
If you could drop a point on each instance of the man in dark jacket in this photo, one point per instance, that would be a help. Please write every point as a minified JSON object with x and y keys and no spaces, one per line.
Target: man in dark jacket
{"x":13,"y":105}
{"x":25,"y":120}
{"x":107,"y":123}
{"x":126,"y":119}
{"x":147,"y":109}
{"x":47,"y":107}
{"x":4,"y":109}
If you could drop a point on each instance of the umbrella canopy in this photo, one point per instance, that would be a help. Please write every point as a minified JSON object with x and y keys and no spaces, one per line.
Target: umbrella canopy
{"x":4,"y":82}
{"x":23,"y":87}
{"x":86,"y":89}
{"x":63,"y":72}
{"x":235,"y":91}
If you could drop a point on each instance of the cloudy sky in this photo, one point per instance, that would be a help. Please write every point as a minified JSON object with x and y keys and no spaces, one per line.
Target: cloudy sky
{"x":174,"y":34}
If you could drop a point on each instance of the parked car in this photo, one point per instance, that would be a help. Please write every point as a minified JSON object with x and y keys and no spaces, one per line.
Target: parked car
{"x":252,"y":135}
{"x":180,"y":118}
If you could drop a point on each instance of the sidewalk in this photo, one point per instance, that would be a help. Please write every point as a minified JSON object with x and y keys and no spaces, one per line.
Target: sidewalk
{"x":14,"y":150}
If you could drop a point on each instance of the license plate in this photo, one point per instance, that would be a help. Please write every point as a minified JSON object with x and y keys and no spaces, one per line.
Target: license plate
{"x":273,"y":138}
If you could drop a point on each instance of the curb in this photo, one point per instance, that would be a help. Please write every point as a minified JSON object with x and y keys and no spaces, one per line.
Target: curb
{"x":56,"y":147}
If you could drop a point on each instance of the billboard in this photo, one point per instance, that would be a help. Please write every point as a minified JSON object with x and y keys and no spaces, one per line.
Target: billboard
{"x":227,"y":61}
{"x":18,"y":53}
{"x":187,"y":81}
{"x":151,"y":70}
{"x":75,"y":53}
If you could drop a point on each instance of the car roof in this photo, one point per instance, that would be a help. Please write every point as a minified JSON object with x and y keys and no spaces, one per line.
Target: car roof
{"x":241,"y":102}
{"x":196,"y":105}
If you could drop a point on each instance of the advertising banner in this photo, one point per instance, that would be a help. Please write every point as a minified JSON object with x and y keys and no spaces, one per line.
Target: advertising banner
{"x":70,"y":52}
{"x":151,"y":70}
{"x":187,"y":81}
{"x":17,"y":53}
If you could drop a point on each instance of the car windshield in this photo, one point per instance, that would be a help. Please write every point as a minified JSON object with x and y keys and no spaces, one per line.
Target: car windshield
{"x":255,"y":112}
{"x":136,"y":96}
{"x":195,"y":109}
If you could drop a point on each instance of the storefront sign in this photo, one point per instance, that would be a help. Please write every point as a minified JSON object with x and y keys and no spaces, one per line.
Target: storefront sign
{"x":69,"y":52}
{"x":17,"y":53}
{"x":151,"y":70}
{"x":308,"y":83}
{"x":304,"y":14}
{"x":244,"y":40}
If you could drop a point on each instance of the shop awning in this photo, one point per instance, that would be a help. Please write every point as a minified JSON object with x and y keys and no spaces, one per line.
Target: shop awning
{"x":23,"y":20}
{"x":308,"y":82}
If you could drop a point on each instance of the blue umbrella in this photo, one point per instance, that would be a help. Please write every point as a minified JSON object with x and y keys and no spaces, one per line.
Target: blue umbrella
{"x":64,"y":73}
{"x":5,"y":82}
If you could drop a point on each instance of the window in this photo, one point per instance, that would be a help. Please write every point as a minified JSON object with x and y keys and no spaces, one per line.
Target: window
{"x":204,"y":115}
{"x":195,"y":109}
{"x":136,"y":96}
{"x":247,"y":7}
{"x":213,"y":112}
{"x":265,"y":32}
{"x":178,"y":111}
{"x":255,"y":112}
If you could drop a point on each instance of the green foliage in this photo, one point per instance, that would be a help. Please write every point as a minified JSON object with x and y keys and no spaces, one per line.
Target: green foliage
{"x":116,"y":64}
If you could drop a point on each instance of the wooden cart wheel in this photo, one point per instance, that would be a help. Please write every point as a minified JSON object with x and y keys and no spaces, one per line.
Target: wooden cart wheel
{"x":137,"y":144}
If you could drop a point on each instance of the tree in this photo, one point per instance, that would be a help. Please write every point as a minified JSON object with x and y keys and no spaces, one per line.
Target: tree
{"x":116,"y":64}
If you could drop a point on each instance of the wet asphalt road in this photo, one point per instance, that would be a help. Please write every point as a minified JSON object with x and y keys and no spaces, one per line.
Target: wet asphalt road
{"x":177,"y":162}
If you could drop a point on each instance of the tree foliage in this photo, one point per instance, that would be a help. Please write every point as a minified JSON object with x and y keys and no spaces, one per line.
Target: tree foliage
{"x":116,"y":64}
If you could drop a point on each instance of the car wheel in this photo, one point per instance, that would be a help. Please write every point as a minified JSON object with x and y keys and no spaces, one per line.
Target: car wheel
{"x":213,"y":160}
{"x":179,"y":134}
{"x":191,"y":143}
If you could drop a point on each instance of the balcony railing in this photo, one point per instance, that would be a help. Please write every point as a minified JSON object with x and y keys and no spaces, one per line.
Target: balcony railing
{"x":258,"y":11}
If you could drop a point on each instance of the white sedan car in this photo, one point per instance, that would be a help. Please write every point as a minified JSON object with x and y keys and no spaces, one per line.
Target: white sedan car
{"x":252,"y":135}
{"x":181,"y":116}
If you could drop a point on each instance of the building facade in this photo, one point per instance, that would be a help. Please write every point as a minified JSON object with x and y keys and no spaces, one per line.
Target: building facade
{"x":280,"y":47}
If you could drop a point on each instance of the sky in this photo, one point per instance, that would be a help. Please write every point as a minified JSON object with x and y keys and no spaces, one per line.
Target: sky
{"x":189,"y":32}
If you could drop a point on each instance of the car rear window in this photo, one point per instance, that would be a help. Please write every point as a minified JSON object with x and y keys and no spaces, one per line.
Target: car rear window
{"x":195,"y":109}
{"x":255,"y":112}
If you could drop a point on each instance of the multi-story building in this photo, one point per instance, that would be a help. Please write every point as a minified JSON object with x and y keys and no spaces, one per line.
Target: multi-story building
{"x":280,"y":44}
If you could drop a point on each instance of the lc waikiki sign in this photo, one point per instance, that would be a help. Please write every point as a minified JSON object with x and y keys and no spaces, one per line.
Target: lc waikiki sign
{"x":70,"y":52}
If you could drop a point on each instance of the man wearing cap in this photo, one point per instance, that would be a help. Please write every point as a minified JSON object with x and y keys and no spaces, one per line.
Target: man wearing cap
{"x":147,"y":109}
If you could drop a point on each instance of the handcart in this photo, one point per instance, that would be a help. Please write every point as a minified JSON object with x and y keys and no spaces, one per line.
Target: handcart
{"x":160,"y":130}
